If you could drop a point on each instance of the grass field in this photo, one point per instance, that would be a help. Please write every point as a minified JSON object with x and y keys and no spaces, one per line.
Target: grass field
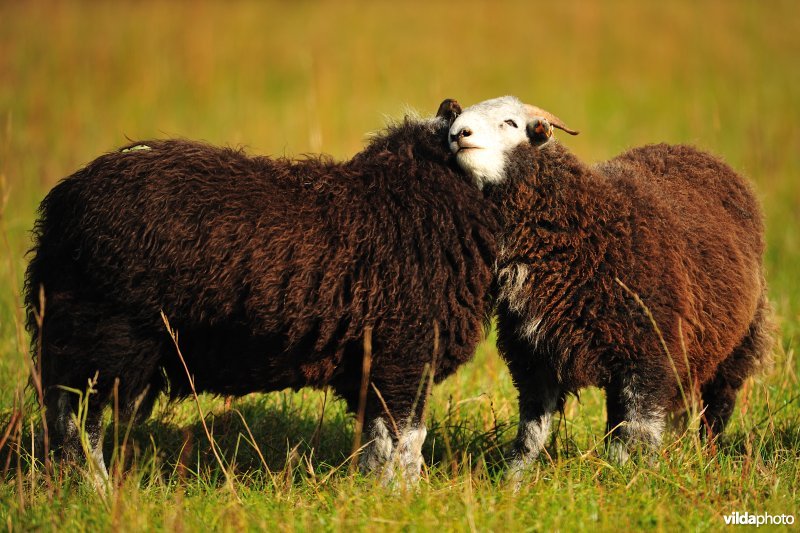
{"x":77,"y":79}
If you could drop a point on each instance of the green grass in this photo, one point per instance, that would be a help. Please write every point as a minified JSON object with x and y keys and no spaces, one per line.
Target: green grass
{"x":289,"y":78}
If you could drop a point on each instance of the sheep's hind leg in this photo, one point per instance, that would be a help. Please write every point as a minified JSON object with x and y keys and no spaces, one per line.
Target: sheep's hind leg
{"x":635,"y":419}
{"x":754,"y":351}
{"x":66,"y":435}
{"x":539,"y":398}
{"x":98,"y":474}
{"x":719,"y":399}
{"x":62,"y":426}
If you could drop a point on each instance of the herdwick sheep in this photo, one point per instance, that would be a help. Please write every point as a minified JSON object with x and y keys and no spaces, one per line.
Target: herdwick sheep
{"x":271,"y":271}
{"x":585,"y":254}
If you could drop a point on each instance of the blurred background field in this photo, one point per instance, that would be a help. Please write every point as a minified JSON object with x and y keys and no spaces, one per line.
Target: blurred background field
{"x":288,"y":78}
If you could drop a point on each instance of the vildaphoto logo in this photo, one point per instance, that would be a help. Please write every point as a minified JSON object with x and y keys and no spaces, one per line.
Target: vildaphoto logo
{"x":746,"y":519}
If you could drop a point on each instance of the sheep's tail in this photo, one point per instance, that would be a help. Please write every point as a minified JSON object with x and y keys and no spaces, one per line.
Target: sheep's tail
{"x":47,"y":267}
{"x":35,"y":304}
{"x":762,"y":336}
{"x":754,"y":354}
{"x":33,"y":294}
{"x":33,"y":289}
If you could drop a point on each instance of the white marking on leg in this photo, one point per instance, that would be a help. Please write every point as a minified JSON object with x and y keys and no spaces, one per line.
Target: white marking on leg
{"x":647,"y":430}
{"x":66,"y":428}
{"x":618,"y":451}
{"x":531,"y":437}
{"x":383,"y":456}
{"x":408,"y":454}
{"x":643,"y":425}
{"x":533,"y":434}
{"x":378,"y":451}
{"x":636,"y":432}
{"x":72,"y":448}
{"x":645,"y":421}
{"x":98,"y":474}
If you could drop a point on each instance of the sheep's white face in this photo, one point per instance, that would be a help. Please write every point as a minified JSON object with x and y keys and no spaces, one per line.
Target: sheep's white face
{"x":483,"y":134}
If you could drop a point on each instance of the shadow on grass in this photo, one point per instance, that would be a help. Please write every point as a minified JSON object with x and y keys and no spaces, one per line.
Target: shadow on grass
{"x":276,"y":430}
{"x":272,"y":430}
{"x":769,"y":443}
{"x":287,"y":435}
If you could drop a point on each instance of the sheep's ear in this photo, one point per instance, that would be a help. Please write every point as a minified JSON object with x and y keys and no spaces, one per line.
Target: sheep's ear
{"x":539,"y":131}
{"x":449,"y":110}
{"x":539,"y":113}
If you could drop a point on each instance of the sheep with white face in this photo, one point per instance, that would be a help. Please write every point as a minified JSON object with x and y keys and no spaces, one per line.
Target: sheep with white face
{"x":592,"y":258}
{"x":485,"y":133}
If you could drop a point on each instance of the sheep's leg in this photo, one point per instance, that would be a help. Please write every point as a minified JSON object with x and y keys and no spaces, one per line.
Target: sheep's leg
{"x":719,"y":398}
{"x":635,"y":418}
{"x":408,"y":453}
{"x":394,"y":431}
{"x":379,"y":447}
{"x":66,"y":435}
{"x":719,"y":395}
{"x":95,"y":461}
{"x":389,"y":454}
{"x":539,"y":399}
{"x":61,"y":423}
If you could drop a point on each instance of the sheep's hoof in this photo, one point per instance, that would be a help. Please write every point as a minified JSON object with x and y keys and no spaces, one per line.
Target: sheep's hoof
{"x":519,"y":471}
{"x":539,"y":131}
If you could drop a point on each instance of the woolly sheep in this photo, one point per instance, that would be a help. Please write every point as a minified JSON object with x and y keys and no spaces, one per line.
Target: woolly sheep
{"x":586,"y":252}
{"x":271,"y":271}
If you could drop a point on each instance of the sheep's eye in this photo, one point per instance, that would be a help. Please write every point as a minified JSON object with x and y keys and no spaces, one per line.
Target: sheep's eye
{"x":511,"y":123}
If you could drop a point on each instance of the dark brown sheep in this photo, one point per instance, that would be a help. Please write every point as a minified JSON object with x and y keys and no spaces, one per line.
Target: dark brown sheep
{"x":585,"y":254}
{"x":270,"y":270}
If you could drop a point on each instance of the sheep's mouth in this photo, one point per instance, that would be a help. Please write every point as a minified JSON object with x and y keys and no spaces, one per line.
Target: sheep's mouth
{"x":466,"y":148}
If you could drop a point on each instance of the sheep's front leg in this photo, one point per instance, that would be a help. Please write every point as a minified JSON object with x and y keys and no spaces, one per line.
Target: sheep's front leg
{"x":538,"y":401}
{"x":388,"y":454}
{"x":408,"y":453}
{"x":379,"y":447}
{"x":394,"y":430}
{"x":635,"y":417}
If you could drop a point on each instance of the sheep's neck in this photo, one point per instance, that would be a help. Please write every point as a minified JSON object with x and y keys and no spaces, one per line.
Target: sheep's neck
{"x":556,"y":202}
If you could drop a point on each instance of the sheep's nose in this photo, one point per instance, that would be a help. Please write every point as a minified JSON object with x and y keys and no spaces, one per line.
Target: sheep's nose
{"x":463,"y":132}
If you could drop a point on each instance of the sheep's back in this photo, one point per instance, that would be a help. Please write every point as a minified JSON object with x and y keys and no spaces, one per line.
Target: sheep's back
{"x":694,"y":184}
{"x":168,"y":227}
